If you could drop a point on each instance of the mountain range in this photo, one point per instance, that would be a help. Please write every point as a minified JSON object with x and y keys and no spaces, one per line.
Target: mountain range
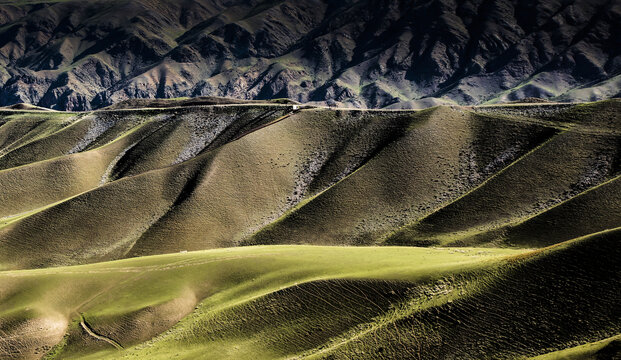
{"x":82,"y":55}
{"x":310,"y":179}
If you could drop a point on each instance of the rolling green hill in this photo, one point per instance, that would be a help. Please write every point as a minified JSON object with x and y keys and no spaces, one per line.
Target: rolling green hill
{"x":318,"y":302}
{"x":268,"y":231}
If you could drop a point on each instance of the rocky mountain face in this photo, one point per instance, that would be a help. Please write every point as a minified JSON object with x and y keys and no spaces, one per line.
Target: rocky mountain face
{"x":81,"y":55}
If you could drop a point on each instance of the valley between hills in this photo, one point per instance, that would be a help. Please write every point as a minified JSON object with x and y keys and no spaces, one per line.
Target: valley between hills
{"x":210,"y":228}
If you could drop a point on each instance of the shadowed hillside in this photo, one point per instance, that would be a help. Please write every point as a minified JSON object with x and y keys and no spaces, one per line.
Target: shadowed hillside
{"x":123,"y":183}
{"x":127,"y":232}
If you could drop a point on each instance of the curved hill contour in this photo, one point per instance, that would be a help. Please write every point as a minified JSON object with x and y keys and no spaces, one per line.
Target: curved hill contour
{"x":279,"y":231}
{"x":124,"y":183}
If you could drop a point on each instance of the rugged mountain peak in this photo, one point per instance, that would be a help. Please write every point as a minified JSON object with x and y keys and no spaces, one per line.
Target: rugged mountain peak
{"x":77,"y":55}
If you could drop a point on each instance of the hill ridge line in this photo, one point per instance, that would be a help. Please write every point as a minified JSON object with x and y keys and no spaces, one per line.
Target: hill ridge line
{"x":306,"y":201}
{"x":586,"y":191}
{"x":467,"y":193}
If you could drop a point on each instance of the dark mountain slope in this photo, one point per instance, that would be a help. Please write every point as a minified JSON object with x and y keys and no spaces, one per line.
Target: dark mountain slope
{"x":79,"y":55}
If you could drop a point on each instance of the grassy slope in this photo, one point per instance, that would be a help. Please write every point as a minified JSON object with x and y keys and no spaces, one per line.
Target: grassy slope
{"x":548,"y":300}
{"x":285,"y":156}
{"x":18,"y":129}
{"x":77,"y":217}
{"x":323,"y":302}
{"x":563,"y":170}
{"x":197,"y":200}
{"x":559,"y":169}
{"x":36,"y":185}
{"x":444,"y":175}
{"x":132,"y":300}
{"x":196,"y":178}
{"x":599,"y":350}
{"x":594,"y":210}
{"x":442,"y":155}
{"x":64,"y":141}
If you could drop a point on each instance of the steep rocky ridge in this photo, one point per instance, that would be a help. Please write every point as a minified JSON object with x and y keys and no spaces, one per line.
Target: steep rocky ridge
{"x":81,"y":55}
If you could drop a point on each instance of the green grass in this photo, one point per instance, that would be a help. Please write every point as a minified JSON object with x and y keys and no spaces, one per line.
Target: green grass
{"x":271,"y":302}
{"x":440,"y":176}
{"x":106,"y":293}
{"x":602,"y":349}
{"x":418,"y":169}
{"x":117,"y":188}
